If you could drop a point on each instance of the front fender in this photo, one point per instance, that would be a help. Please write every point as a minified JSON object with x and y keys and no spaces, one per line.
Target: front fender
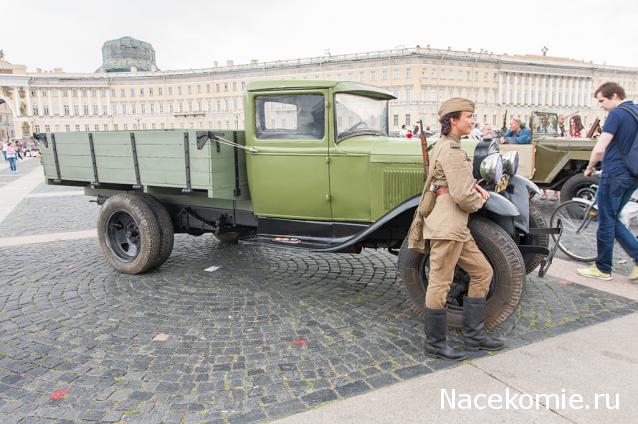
{"x":500,"y":205}
{"x":518,"y":191}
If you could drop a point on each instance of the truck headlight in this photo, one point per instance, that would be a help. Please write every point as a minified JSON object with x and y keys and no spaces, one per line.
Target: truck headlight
{"x":492,"y":168}
{"x":510,"y":163}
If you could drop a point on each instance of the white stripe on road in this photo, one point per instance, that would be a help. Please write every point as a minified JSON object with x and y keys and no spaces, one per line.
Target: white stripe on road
{"x":12,"y":194}
{"x":46,"y":238}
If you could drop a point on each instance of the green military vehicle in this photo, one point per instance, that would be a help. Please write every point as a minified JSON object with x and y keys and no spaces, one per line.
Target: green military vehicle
{"x":314,"y":169}
{"x":555,"y":162}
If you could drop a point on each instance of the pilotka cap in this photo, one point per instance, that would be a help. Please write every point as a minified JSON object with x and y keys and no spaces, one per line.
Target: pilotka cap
{"x":456,"y":104}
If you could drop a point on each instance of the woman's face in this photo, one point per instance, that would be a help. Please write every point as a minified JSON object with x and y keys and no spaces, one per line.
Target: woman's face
{"x":572,"y":123}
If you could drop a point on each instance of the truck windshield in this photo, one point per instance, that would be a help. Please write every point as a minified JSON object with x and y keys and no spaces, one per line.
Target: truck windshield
{"x":359,"y":115}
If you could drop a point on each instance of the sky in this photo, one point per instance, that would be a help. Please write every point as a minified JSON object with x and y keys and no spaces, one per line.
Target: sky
{"x":189,"y":34}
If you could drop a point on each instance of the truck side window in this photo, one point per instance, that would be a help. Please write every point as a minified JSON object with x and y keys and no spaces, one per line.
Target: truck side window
{"x":290,"y":116}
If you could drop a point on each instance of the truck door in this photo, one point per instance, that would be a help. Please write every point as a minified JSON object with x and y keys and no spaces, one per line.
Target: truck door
{"x":288,"y":175}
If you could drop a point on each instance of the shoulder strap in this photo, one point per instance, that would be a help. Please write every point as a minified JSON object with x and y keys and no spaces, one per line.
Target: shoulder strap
{"x":631,"y":110}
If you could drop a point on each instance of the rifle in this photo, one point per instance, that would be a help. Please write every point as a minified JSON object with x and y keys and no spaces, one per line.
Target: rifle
{"x":595,"y":126}
{"x":424,"y":150}
{"x":504,"y":128}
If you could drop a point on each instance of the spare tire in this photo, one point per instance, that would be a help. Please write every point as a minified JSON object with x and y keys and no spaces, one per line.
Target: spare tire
{"x":166,"y":230}
{"x":507,"y":283}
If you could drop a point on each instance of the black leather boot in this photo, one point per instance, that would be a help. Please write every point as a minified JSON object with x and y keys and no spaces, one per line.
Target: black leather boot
{"x":436,"y":336}
{"x":474,"y":335}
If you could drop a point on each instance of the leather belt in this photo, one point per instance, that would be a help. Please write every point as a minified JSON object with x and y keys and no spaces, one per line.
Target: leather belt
{"x":441,"y":191}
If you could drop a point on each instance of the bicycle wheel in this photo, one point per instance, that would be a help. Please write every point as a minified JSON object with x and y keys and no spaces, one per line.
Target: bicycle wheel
{"x":580,"y":220}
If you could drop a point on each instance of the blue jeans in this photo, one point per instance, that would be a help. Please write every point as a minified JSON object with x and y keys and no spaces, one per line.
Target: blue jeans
{"x":12,"y":163}
{"x":613,"y":195}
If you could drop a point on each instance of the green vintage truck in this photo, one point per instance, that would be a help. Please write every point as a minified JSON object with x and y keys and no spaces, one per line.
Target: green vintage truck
{"x":314,"y":169}
{"x":555,"y":162}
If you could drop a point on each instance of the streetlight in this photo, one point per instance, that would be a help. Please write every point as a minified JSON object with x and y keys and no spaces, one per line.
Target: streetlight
{"x":236,"y":120}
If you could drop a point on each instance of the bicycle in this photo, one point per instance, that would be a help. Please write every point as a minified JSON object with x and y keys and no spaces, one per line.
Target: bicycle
{"x":579,"y":218}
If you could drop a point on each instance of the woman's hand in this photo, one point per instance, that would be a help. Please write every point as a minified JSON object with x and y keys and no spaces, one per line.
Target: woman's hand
{"x":484,"y":194}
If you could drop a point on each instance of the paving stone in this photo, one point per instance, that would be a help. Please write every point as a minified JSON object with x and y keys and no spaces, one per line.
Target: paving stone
{"x":69,"y":321}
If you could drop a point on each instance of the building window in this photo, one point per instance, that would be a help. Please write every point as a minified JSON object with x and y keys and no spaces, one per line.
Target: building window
{"x":46,"y":109}
{"x":86,"y":109}
{"x":161,"y":107}
{"x":125,"y":127}
{"x":123,"y":109}
{"x":225,"y":104}
{"x":209,"y":106}
{"x":208,"y":88}
{"x":37,"y":128}
{"x":170,"y":107}
{"x":235,"y":104}
{"x":170,"y":91}
{"x":152,"y":108}
{"x":243,"y":85}
{"x":373,"y":75}
{"x":76,"y":110}
{"x":172,"y":125}
{"x":408,"y":94}
{"x":199,"y":105}
{"x":144,"y":126}
{"x":234,"y":86}
{"x":181,"y":108}
{"x":150,"y":91}
{"x":66,"y":110}
{"x":133,"y":109}
{"x":159,"y":91}
{"x":35,"y":112}
{"x":407,"y":119}
{"x":87,"y":128}
{"x":95,"y":110}
{"x":134,"y":127}
{"x":122,"y":92}
{"x":217,"y":87}
{"x":161,"y":125}
{"x":47,"y":128}
{"x":116,"y":127}
{"x":132,"y":92}
{"x":384,"y":75}
{"x":141,"y":92}
{"x":408,"y":73}
{"x":219,"y":107}
{"x":396,"y":120}
{"x":190,"y":106}
{"x":67,"y":128}
{"x":153,"y":126}
{"x":77,"y":128}
{"x":395,"y":74}
{"x":142,"y":109}
{"x":97,"y":127}
{"x":225,"y":86}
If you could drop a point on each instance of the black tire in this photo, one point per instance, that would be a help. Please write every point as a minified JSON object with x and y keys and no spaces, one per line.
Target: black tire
{"x":578,"y":186}
{"x":536,"y":220}
{"x":129,"y":233}
{"x":506,"y":287}
{"x":167,"y":232}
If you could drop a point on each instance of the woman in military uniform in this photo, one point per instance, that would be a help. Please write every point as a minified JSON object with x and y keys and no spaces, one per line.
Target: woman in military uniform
{"x":446,"y":228}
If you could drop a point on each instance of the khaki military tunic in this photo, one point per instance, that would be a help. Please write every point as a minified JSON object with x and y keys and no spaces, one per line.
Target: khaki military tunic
{"x":446,"y":227}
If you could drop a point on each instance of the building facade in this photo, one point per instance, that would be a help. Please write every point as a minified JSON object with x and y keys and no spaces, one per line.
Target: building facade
{"x":421,"y":79}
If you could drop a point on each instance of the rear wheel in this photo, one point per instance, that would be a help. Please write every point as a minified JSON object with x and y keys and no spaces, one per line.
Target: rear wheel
{"x":129,"y":233}
{"x":166,"y":230}
{"x":579,"y":186}
{"x":507,"y":283}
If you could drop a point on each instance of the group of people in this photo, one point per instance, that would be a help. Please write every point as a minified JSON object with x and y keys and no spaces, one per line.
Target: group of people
{"x":457,"y":193}
{"x":415,"y":133}
{"x":14,"y":150}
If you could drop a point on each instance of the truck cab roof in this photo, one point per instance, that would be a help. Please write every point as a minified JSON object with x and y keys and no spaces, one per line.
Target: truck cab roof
{"x":336,"y":86}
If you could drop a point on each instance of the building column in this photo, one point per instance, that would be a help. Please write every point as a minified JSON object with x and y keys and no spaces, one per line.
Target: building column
{"x":499,"y":98}
{"x":515,"y":89}
{"x":89,"y":101}
{"x":60,"y":107}
{"x":27,"y":94}
{"x":16,"y":96}
{"x":109,"y":110}
{"x":537,"y":90}
{"x":572,"y":93}
{"x":508,"y":88}
{"x":40,"y":109}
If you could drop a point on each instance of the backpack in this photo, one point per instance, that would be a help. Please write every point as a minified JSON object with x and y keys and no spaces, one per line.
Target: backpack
{"x":631,"y":157}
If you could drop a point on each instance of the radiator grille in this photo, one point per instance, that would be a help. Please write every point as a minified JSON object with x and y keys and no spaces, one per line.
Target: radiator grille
{"x":399,"y":185}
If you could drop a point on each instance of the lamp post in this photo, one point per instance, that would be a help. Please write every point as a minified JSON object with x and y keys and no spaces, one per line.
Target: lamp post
{"x":236,"y":114}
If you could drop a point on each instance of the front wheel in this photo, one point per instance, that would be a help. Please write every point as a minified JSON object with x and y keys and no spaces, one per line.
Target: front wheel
{"x":579,"y":186}
{"x":507,"y":283}
{"x":579,"y":219}
{"x":536,"y":220}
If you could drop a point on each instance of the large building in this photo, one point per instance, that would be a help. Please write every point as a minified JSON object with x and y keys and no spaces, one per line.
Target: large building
{"x":421,"y":78}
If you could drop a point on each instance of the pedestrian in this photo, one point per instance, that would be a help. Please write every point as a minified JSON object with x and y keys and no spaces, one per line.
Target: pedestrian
{"x":616,"y":184}
{"x":5,"y":146}
{"x":561,"y":126}
{"x":488,"y":132}
{"x":457,"y":195}
{"x":416,"y":132}
{"x":516,"y":133}
{"x":402,"y":132}
{"x":476,"y":132}
{"x":576,"y":128}
{"x":408,"y":134}
{"x":12,"y":156}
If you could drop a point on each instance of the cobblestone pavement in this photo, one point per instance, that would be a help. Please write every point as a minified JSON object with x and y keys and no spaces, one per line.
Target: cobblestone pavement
{"x":270,"y":333}
{"x":23,"y":166}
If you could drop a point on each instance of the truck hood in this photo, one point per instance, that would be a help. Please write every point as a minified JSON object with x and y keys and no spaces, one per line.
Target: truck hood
{"x":392,"y":149}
